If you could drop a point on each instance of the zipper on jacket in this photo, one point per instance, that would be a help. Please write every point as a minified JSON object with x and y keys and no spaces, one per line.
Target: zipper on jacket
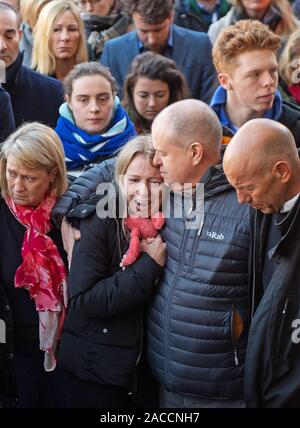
{"x":119,"y":240}
{"x":234,"y":337}
{"x":132,"y":393}
{"x":169,"y":300}
{"x":194,"y":250}
{"x":282,"y":323}
{"x":196,"y":242}
{"x":135,"y":378}
{"x":255,"y":262}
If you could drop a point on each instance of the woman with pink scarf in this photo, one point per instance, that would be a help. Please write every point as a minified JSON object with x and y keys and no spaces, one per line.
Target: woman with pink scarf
{"x":33,"y":275}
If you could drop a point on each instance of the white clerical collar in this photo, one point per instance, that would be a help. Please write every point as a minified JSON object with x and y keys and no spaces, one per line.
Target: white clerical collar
{"x":288,"y":205}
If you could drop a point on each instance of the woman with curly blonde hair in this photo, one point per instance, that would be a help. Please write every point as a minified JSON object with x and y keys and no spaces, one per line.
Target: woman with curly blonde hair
{"x":59,"y":40}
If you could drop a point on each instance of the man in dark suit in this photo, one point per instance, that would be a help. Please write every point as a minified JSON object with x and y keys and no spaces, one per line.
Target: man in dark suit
{"x":34,"y":97}
{"x":155,"y":31}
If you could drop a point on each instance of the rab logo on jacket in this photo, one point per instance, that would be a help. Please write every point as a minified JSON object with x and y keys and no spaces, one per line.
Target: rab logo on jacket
{"x":296,"y":332}
{"x":2,"y":331}
{"x":215,"y":235}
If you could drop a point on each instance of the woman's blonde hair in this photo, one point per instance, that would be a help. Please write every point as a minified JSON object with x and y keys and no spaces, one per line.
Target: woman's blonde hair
{"x":141,"y":145}
{"x":289,"y":64}
{"x":35,"y":146}
{"x":43,"y":59}
{"x":30,"y":9}
{"x":138,"y":145}
{"x":288,"y":22}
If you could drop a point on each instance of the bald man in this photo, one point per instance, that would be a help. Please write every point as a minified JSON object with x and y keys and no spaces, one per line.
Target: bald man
{"x":201,"y":302}
{"x":189,"y":144}
{"x":262,"y":164}
{"x":198,"y":321}
{"x":264,"y":169}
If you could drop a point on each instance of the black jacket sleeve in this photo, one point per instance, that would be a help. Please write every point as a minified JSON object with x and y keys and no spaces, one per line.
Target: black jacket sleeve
{"x":7,"y":121}
{"x":95,"y":292}
{"x":82,"y":188}
{"x":290,"y":117}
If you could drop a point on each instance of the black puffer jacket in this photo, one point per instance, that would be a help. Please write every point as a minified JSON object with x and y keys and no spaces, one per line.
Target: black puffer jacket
{"x":203,"y":299}
{"x":83,"y":187}
{"x":102,"y":336}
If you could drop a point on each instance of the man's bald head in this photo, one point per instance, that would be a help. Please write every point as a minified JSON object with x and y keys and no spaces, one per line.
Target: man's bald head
{"x":261,"y":142}
{"x":262,"y":164}
{"x":191,"y":120}
{"x":186,"y":136}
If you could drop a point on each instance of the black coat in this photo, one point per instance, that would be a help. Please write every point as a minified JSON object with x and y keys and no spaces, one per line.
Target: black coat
{"x":272,"y":370}
{"x":18,"y":316}
{"x":7,"y":121}
{"x":102,"y":336}
{"x":34,"y":97}
{"x":190,"y":20}
{"x":290,"y":117}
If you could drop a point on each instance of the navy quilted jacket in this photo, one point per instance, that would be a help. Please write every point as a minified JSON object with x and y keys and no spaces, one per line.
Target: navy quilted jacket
{"x":193,"y":344}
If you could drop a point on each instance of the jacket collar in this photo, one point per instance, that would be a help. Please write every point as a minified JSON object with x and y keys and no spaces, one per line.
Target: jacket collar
{"x":13,"y":74}
{"x":289,"y":229}
{"x":219,"y":100}
{"x":284,"y":221}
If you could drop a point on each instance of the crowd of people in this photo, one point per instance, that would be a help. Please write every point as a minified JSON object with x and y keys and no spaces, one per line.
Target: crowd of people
{"x":168,"y":131}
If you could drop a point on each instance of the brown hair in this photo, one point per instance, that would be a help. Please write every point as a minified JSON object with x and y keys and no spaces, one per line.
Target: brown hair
{"x":87,"y":69}
{"x":154,"y":67}
{"x":152,"y":11}
{"x":245,"y":35}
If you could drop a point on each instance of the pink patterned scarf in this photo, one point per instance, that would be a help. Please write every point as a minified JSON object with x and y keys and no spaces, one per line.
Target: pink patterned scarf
{"x":42,"y":273}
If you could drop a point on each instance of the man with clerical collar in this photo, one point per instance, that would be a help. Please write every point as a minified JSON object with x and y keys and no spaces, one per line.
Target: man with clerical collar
{"x":262,"y":163}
